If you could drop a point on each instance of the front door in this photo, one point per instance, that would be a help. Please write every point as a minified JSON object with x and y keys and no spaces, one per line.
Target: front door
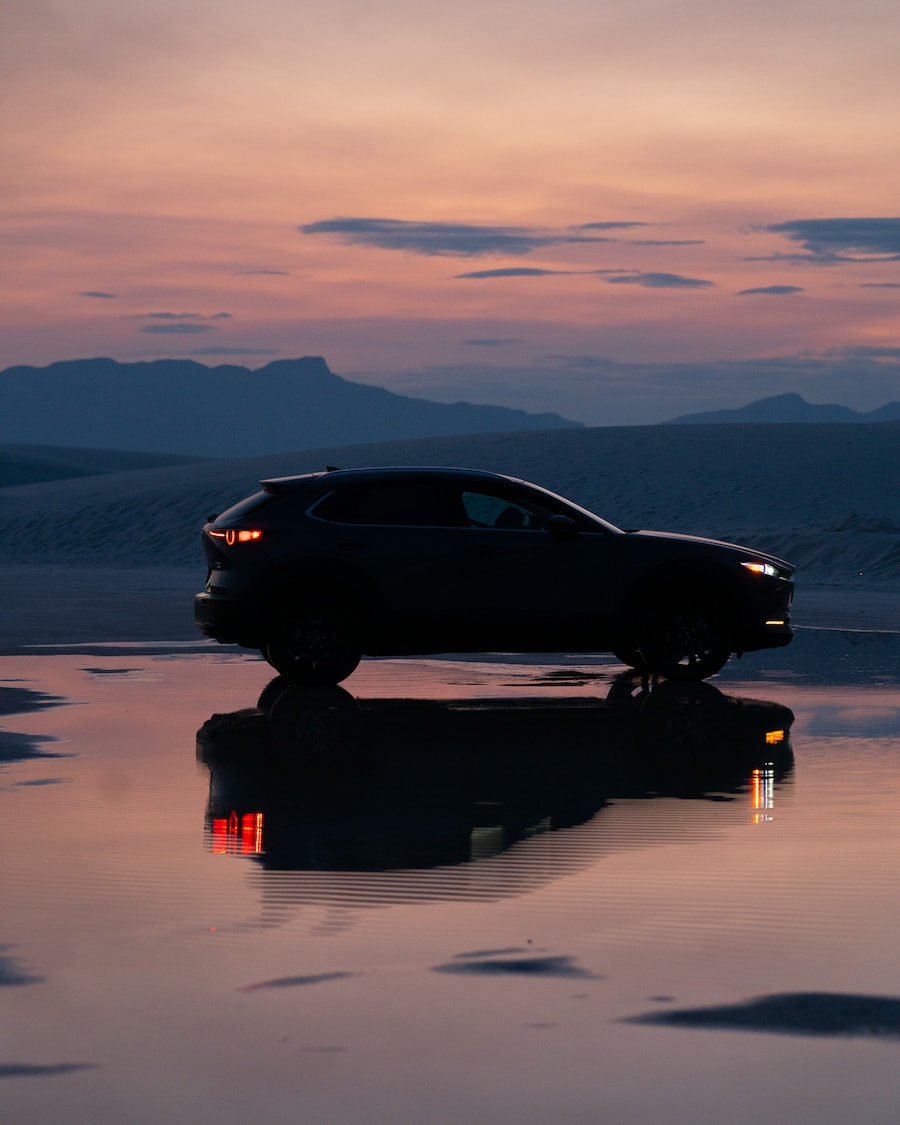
{"x":536,"y":588}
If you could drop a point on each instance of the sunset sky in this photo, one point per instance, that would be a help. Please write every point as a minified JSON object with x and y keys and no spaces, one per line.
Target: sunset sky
{"x":620,"y":212}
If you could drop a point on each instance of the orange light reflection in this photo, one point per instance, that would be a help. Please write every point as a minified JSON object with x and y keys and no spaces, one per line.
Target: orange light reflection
{"x":762,"y":793}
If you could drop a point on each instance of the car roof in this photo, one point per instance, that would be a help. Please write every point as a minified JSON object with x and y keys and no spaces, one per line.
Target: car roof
{"x":437,"y":471}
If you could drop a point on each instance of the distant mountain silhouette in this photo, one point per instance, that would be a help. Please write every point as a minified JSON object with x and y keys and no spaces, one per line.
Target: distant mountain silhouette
{"x":790,"y":408}
{"x":178,"y":406}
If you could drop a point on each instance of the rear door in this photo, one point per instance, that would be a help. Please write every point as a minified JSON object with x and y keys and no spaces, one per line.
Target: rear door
{"x":404,"y":535}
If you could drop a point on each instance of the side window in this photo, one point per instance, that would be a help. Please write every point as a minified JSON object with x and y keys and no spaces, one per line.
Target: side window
{"x":397,"y":503}
{"x":487,"y":510}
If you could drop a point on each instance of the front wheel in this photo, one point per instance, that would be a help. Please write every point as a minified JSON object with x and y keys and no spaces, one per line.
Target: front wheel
{"x":630,"y":657}
{"x":316,"y":645}
{"x":684,"y":641}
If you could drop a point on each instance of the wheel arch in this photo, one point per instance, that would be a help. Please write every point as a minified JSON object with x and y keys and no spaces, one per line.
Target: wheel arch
{"x":713,"y":583}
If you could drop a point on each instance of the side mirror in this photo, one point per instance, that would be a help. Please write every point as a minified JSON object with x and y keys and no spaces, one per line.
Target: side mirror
{"x":561,"y":527}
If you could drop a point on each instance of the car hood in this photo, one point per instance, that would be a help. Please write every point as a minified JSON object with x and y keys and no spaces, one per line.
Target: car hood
{"x":738,"y":548}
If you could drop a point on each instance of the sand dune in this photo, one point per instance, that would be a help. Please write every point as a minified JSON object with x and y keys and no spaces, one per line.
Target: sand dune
{"x":29,"y":464}
{"x":827,"y":497}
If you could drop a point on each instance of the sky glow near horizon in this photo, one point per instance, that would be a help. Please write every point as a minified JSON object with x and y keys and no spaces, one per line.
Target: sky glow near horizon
{"x":617,"y":213}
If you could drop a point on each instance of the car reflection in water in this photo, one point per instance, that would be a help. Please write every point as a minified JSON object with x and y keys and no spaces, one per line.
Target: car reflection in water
{"x":316,"y":780}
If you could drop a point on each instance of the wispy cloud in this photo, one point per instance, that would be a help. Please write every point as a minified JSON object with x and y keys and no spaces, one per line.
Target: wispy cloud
{"x":166,"y":316}
{"x":492,"y":342}
{"x":608,"y":226}
{"x":98,"y":294}
{"x":468,"y":240}
{"x":827,"y":241}
{"x":224,"y":351}
{"x":880,"y":285}
{"x":866,"y":353}
{"x":262,"y":273}
{"x":180,"y":316}
{"x":178,"y":328}
{"x":771,"y":291}
{"x":616,"y":274}
{"x":514,"y":271}
{"x":661,"y":281}
{"x":666,"y":241}
{"x":460,"y":240}
{"x":41,"y":1070}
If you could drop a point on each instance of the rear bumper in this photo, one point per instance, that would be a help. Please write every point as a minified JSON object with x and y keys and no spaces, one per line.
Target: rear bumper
{"x":218,"y":619}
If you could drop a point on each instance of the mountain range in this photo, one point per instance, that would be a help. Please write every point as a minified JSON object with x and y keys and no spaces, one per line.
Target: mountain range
{"x":183,"y":407}
{"x":790,"y":408}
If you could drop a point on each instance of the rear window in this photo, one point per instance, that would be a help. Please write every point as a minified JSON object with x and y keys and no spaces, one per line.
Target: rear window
{"x":245,"y":507}
{"x":406,"y":503}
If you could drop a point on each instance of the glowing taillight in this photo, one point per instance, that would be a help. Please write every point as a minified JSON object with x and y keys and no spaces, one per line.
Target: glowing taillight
{"x":234,"y":535}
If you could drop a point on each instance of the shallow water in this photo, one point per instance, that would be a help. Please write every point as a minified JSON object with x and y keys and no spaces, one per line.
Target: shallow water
{"x":487,"y":891}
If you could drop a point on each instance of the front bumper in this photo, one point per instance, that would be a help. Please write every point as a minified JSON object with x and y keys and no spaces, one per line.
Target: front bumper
{"x":771,"y":636}
{"x":770,"y":626}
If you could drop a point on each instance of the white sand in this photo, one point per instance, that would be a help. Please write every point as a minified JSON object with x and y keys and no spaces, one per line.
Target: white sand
{"x":118,"y":556}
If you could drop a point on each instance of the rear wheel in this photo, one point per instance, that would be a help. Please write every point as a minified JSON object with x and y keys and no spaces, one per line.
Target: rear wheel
{"x":316,"y":645}
{"x":685,"y":639}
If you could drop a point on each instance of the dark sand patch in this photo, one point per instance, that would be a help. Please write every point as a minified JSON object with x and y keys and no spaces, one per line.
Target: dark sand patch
{"x":793,"y":1013}
{"x":560,"y":966}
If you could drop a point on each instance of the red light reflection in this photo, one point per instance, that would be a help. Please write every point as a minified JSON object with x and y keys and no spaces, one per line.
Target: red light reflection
{"x":234,"y":835}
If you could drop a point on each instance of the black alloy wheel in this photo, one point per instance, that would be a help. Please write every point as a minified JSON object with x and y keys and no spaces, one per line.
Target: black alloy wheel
{"x":684,"y":640}
{"x":316,"y":645}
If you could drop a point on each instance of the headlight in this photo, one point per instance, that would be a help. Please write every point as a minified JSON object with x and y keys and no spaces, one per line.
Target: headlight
{"x":767,"y":569}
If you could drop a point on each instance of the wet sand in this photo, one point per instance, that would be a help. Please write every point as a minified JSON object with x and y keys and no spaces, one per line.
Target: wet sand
{"x":495,"y":891}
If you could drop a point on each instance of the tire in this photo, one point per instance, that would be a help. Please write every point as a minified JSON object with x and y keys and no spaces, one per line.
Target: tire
{"x":312,"y":721}
{"x":317,"y":645}
{"x":270,"y":694}
{"x":684,"y":638}
{"x":631,"y":658}
{"x":685,"y":725}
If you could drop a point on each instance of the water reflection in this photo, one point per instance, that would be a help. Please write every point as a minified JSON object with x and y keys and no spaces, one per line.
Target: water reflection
{"x":316,"y":780}
{"x":834,"y":658}
{"x":17,"y":747}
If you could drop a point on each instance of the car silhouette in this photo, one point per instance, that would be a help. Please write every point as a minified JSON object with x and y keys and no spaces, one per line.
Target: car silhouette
{"x":320,"y":569}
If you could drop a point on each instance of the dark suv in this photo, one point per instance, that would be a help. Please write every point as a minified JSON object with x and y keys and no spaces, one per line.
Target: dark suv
{"x":317,"y":570}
